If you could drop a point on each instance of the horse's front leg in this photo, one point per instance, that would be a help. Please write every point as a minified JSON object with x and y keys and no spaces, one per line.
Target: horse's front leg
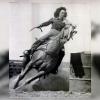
{"x":40,"y":74}
{"x":23,"y":73}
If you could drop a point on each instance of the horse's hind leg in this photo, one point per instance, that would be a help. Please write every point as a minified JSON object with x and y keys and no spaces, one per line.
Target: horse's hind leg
{"x":23,"y":73}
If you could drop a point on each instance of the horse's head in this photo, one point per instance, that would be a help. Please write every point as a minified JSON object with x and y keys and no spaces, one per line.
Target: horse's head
{"x":67,"y":33}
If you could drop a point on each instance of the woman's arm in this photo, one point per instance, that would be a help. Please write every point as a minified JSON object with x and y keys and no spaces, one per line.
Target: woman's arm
{"x":46,"y":23}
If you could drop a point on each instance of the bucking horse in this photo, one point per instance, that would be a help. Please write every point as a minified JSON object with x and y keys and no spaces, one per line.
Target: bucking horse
{"x":44,"y":57}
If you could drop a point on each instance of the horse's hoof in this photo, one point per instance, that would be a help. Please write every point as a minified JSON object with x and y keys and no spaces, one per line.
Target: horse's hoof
{"x":15,"y":86}
{"x":16,"y":83}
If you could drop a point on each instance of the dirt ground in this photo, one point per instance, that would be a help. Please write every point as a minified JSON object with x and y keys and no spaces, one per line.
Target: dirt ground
{"x":48,"y":95}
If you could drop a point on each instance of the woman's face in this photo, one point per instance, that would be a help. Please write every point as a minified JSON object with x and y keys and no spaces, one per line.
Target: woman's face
{"x":62,"y":14}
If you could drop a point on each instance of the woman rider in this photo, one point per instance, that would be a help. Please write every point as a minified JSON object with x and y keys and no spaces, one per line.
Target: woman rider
{"x":58,"y":23}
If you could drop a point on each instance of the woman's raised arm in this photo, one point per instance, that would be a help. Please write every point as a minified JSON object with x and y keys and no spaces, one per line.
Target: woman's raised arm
{"x":44,"y":24}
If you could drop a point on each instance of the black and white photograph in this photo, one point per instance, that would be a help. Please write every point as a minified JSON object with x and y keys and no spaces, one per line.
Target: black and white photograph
{"x":51,"y":47}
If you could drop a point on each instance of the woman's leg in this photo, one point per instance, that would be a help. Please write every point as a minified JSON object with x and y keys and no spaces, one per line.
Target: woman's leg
{"x":40,"y":41}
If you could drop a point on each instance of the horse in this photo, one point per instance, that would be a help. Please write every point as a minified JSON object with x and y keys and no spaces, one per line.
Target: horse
{"x":45,"y":57}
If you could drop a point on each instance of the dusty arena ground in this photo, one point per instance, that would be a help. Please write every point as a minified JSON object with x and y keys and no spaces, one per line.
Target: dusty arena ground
{"x":48,"y":95}
{"x":30,"y":94}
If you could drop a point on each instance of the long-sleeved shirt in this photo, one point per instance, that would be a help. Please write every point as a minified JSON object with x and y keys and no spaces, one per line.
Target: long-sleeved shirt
{"x":56,"y":24}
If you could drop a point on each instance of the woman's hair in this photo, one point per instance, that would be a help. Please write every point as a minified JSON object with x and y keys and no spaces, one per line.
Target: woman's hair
{"x":56,"y":13}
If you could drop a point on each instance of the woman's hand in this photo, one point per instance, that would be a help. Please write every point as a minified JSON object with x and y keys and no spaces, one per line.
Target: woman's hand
{"x":32,"y":28}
